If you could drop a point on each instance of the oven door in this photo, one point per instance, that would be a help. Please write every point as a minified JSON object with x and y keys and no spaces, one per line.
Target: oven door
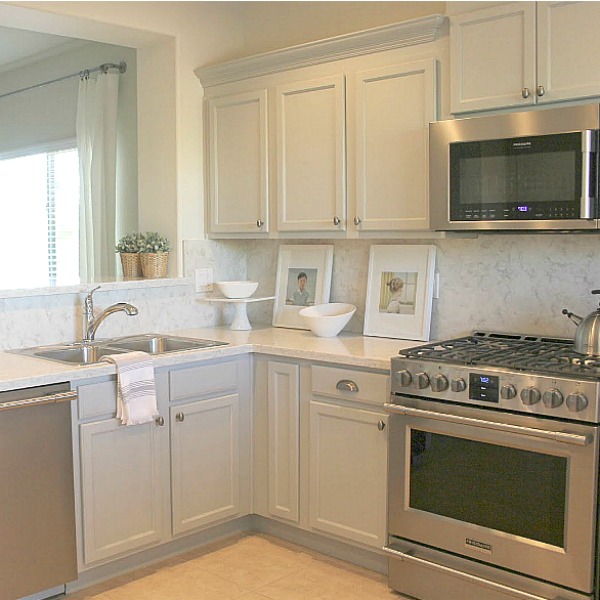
{"x":513,"y":491}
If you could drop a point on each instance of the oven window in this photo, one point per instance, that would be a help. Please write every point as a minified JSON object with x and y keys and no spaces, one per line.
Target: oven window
{"x":498,"y":487}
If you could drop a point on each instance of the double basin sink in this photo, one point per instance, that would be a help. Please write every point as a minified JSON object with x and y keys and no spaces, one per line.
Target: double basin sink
{"x":87,"y":353}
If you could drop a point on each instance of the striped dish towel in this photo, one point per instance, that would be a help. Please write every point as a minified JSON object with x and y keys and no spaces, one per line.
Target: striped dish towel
{"x":136,"y":390}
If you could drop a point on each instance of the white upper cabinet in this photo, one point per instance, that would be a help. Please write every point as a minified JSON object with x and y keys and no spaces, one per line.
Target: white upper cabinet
{"x":492,"y":58}
{"x":568,"y":50}
{"x":238,"y":166}
{"x":393,"y":108}
{"x":341,"y":147}
{"x":311,"y":157}
{"x":524,"y":53}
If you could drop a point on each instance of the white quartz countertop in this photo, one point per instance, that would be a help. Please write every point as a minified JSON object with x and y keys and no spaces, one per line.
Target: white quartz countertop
{"x":351,"y":350}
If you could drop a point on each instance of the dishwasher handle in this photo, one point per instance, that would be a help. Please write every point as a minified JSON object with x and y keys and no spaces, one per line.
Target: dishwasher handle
{"x":39,"y":400}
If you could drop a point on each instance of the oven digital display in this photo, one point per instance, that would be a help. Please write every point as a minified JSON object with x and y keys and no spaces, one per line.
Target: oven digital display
{"x":484,"y":387}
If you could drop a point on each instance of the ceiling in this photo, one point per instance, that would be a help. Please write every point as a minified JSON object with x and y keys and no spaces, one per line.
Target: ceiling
{"x":18,"y":45}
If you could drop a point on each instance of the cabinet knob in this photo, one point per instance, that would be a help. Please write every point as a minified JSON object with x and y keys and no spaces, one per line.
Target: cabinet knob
{"x":357,"y":221}
{"x":525,"y":92}
{"x":381,"y":425}
{"x":160,"y":421}
{"x":336,"y":220}
{"x":259,"y":223}
{"x":541,"y":90}
{"x":180,"y":417}
{"x":346,"y":385}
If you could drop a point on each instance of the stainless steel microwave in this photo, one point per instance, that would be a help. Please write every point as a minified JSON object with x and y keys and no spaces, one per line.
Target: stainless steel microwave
{"x":534,"y":170}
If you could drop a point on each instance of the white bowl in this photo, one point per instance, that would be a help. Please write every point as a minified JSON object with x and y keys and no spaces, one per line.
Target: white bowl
{"x":237,"y":289}
{"x":327,"y":320}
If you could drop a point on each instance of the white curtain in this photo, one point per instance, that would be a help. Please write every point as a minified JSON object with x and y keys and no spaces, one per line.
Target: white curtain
{"x":97,"y":144}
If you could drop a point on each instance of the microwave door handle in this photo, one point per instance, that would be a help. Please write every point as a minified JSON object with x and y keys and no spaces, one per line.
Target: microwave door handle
{"x":558,"y":436}
{"x":588,"y":149}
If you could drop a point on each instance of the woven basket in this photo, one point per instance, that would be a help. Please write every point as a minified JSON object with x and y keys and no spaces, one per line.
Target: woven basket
{"x":154,"y":266}
{"x":130,"y":261}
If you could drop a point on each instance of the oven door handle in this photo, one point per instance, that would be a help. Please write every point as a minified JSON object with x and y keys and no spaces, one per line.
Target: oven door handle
{"x":558,"y":436}
{"x":455,"y":573}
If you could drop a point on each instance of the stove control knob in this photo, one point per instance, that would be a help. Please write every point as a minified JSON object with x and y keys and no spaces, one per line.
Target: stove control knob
{"x":530,"y":395}
{"x":458,"y":385}
{"x":422,"y":380}
{"x":439,"y":383}
{"x":508,"y":391}
{"x":552,"y":398}
{"x":576,"y":402}
{"x":404,"y":377}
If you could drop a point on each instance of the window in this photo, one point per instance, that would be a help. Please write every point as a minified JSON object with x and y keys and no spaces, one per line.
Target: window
{"x":39,"y":196}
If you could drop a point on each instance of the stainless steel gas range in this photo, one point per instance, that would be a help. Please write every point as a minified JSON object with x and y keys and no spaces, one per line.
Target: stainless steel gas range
{"x":493,"y":470}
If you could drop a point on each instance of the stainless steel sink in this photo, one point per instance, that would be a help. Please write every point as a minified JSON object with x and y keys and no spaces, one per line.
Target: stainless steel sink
{"x":82,"y":353}
{"x":154,"y":343}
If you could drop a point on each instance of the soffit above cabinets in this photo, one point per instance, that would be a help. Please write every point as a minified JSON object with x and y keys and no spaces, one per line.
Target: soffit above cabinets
{"x":398,"y":35}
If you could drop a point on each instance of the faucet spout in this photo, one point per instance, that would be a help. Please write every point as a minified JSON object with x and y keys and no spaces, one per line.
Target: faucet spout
{"x":92,"y":323}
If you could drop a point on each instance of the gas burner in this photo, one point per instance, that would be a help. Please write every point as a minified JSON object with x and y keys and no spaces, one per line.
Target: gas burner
{"x":524,"y":353}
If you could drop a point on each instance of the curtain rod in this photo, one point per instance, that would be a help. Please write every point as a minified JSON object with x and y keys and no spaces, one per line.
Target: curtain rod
{"x":122,"y":67}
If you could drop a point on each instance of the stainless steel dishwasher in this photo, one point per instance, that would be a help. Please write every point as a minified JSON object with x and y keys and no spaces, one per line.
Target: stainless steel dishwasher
{"x":37,"y":508}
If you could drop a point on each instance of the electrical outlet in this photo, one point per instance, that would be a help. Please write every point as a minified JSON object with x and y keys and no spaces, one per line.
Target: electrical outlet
{"x":204,"y":280}
{"x":436,"y":285}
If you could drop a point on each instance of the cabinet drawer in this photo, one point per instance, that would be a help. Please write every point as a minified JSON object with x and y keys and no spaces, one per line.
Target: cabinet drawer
{"x":97,"y":399}
{"x":204,"y":380}
{"x":358,"y":386}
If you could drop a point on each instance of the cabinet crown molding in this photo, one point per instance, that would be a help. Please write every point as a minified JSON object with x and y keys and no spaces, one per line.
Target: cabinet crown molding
{"x":389,"y":37}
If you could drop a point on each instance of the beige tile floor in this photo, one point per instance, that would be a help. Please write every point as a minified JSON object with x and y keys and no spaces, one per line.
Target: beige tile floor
{"x":256,"y":567}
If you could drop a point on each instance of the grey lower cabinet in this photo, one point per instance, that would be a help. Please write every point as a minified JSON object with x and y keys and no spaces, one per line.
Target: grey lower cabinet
{"x":121,"y":488}
{"x":321,"y":449}
{"x":205,"y":462}
{"x":144,"y":485}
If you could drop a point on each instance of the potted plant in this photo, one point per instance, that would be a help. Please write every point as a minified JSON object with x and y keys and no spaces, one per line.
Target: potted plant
{"x":154,"y":255}
{"x":128,"y":248}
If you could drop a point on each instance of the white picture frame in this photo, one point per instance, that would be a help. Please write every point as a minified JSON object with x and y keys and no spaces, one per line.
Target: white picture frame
{"x":294,"y":292}
{"x":400,"y":292}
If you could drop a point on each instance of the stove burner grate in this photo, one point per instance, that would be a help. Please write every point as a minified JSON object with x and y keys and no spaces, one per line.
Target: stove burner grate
{"x":522,"y":353}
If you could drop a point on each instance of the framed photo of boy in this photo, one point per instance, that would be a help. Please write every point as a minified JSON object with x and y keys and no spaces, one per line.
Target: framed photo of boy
{"x":303,"y":279}
{"x":400,"y":292}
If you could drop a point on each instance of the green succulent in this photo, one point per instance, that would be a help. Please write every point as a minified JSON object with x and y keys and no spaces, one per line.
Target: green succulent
{"x":154,"y":242}
{"x":131,"y":243}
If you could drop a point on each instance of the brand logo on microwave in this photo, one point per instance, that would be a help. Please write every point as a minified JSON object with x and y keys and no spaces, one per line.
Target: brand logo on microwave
{"x":477,"y":545}
{"x":521,"y":144}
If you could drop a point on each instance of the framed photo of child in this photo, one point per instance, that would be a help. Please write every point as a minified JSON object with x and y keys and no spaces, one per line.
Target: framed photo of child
{"x":303,"y":279}
{"x":400,"y":292}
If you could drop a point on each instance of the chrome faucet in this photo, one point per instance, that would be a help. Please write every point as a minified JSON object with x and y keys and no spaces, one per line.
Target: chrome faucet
{"x":92,"y":323}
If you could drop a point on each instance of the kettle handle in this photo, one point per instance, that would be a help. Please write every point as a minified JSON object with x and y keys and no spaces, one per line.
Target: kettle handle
{"x":595,"y":291}
{"x":572,"y":316}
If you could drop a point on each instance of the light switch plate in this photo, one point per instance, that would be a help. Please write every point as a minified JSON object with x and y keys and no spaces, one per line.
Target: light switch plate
{"x":204,"y":280}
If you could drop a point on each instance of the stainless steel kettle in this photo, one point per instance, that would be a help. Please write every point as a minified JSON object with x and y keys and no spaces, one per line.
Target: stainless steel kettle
{"x":587,"y":336}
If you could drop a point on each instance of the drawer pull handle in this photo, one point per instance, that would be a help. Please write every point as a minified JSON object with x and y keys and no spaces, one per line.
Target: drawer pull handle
{"x":180,"y":417}
{"x":160,"y":421}
{"x":381,"y":425}
{"x":346,"y":385}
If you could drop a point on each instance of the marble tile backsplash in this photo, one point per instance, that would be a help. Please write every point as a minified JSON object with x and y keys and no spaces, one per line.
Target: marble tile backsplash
{"x":493,"y":282}
{"x":512,"y":283}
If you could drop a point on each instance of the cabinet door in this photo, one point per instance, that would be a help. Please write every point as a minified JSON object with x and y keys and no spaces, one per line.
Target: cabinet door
{"x":311,"y":166}
{"x":205,"y":462}
{"x":348,"y":472}
{"x":121,"y":488}
{"x":394,"y":106}
{"x":568,"y":50}
{"x":492,"y":58}
{"x":284,"y":440}
{"x":238,"y":181}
